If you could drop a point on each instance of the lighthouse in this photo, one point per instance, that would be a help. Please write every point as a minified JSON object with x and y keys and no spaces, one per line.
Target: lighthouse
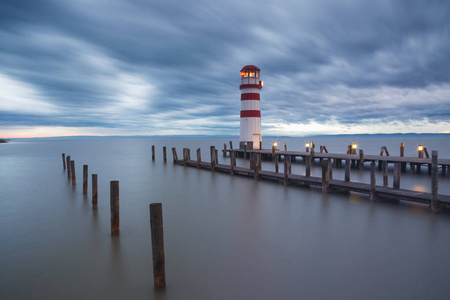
{"x":250,"y":109}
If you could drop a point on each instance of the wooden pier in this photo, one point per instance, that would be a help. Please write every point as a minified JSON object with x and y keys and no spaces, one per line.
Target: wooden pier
{"x":415,"y":163}
{"x":436,"y":201}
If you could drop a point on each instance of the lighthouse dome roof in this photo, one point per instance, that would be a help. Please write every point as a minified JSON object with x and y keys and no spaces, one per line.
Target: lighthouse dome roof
{"x":250,"y":67}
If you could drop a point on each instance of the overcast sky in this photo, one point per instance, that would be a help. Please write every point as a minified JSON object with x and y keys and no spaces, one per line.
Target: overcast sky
{"x":142,"y":67}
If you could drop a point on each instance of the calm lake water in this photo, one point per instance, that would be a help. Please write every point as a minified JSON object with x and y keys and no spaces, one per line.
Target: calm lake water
{"x":225,"y":237}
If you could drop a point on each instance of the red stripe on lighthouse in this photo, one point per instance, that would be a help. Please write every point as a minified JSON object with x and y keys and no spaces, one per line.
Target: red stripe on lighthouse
{"x":250,"y":114}
{"x":245,"y":86}
{"x":250,"y":96}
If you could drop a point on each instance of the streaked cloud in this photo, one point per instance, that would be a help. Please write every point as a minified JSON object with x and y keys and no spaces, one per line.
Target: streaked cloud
{"x":139,"y":67}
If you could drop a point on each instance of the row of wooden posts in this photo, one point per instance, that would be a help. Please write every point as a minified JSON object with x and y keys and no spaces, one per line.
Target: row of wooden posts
{"x":255,"y":164}
{"x":156,"y":221}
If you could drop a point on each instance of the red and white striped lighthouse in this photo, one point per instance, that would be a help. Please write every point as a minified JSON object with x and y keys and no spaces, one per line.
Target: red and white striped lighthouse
{"x":250,"y":108}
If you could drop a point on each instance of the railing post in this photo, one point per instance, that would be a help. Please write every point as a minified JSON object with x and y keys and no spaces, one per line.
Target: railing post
{"x":199,"y":158}
{"x":372,"y":181}
{"x":397,"y":172}
{"x":347,"y":170}
{"x":385,"y":173}
{"x":434,"y":181}
{"x":213,"y":158}
{"x":361,"y":159}
{"x":326,"y":166}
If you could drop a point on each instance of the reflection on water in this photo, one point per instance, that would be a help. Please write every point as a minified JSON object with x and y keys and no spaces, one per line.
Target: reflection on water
{"x":225,"y":237}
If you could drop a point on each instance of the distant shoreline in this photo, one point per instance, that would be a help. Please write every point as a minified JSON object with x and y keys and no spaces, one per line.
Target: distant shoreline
{"x":366,"y":135}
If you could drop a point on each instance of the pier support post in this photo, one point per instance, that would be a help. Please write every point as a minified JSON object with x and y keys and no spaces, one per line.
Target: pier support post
{"x":402,"y":154}
{"x":444,"y":167}
{"x":232,"y":161}
{"x":313,"y":152}
{"x":326,"y":167}
{"x":285,"y":147}
{"x":165,"y":154}
{"x":174,"y":155}
{"x":277,"y":158}
{"x":287,"y":167}
{"x":273,"y":152}
{"x":156,"y":227}
{"x":69,"y":172}
{"x":72,"y":169}
{"x":361,"y":159}
{"x":434,"y":181}
{"x":231,"y":145}
{"x":372,"y":181}
{"x":114,"y":204}
{"x":185,"y":156}
{"x":397,"y":172}
{"x":85,"y":179}
{"x":213,"y":158}
{"x":217,"y":156}
{"x":347,"y":170}
{"x":245,"y":150}
{"x":94,"y":191}
{"x":224,"y":150}
{"x":385,"y":173}
{"x":199,"y":158}
{"x":64,"y":160}
{"x":153,"y":152}
{"x":308,"y":166}
{"x":257,"y":157}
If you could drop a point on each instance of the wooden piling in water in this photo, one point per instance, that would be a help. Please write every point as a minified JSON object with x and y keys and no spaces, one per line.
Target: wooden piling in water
{"x":69,"y":172}
{"x":277,"y":158}
{"x":165,"y":154}
{"x":372,"y":181}
{"x":114,"y":204}
{"x":347,"y":170}
{"x":397,"y":172}
{"x":361,"y":159}
{"x":185,"y":156}
{"x":224,"y":150}
{"x":308,"y":166}
{"x":158,"y":257}
{"x":64,"y":160}
{"x":231,"y":145}
{"x":326,"y":167}
{"x":287,"y":166}
{"x":153,"y":152}
{"x":174,"y":155}
{"x":402,"y":154}
{"x":199,"y":157}
{"x":72,"y":169}
{"x":434,"y":181}
{"x":94,"y":192}
{"x":232,"y":161}
{"x":85,"y":179}
{"x":245,"y":150}
{"x":217,"y":156}
{"x":385,"y":173}
{"x":213,"y":158}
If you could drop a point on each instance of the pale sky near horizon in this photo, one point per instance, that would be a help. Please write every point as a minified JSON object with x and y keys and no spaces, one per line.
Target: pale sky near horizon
{"x":96,"y":67}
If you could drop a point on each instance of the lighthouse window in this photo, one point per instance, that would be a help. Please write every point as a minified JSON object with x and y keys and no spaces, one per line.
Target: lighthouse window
{"x":257,"y":73}
{"x":252,"y":74}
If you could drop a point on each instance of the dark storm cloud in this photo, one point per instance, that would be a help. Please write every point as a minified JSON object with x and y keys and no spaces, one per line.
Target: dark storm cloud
{"x":135,"y":64}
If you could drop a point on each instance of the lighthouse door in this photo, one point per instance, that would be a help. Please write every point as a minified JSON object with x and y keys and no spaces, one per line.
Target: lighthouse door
{"x":256,"y":139}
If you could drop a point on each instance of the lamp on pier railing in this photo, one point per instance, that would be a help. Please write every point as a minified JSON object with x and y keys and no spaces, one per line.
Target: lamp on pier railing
{"x":274,"y":145}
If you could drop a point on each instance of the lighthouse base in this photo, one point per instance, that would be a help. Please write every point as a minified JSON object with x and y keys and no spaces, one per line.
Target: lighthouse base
{"x":250,"y":145}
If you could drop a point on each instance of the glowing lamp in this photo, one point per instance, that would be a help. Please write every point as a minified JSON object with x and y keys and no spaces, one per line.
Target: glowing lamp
{"x":420,"y":148}
{"x":354,"y":146}
{"x":307,"y":145}
{"x":262,"y":83}
{"x":274,"y":144}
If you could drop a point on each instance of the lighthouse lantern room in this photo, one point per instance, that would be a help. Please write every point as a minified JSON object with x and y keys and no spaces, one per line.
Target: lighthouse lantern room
{"x":251,"y":84}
